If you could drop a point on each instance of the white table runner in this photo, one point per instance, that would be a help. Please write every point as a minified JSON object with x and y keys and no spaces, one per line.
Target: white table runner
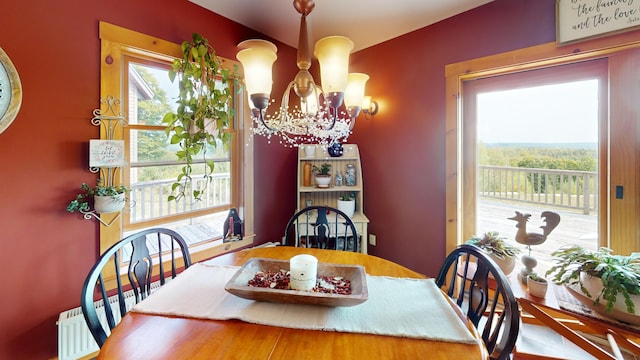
{"x":413,"y":308}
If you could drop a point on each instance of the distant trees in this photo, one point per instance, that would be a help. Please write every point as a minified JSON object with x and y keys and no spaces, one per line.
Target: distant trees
{"x":153,"y":145}
{"x":538,"y":157}
{"x":565,"y":158}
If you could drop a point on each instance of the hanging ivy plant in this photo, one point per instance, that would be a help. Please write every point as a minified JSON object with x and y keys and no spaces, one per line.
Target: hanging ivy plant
{"x":203,"y":114}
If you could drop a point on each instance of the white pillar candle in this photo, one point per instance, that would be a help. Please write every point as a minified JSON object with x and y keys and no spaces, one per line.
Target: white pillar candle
{"x":303,"y":271}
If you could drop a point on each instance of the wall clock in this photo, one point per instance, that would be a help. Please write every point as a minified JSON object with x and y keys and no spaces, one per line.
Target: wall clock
{"x":10,"y":91}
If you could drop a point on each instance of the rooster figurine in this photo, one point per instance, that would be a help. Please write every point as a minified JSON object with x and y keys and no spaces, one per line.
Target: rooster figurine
{"x":551,"y":220}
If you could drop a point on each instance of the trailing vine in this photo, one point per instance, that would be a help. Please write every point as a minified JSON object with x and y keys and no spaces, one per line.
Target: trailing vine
{"x":204,"y":112}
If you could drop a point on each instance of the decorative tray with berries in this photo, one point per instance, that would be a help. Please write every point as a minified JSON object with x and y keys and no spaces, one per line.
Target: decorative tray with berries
{"x":268,"y":280}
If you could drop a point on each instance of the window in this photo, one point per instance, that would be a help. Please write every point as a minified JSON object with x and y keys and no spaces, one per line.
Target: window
{"x":536,"y":135}
{"x":134,"y":68}
{"x":618,"y":134}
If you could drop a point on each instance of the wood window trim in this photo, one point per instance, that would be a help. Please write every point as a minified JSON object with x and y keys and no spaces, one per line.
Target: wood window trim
{"x":115,"y":42}
{"x":624,"y":237}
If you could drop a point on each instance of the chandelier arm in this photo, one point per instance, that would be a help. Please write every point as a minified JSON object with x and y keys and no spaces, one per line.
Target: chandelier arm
{"x":333,"y":119}
{"x":261,"y":117}
{"x":352,"y":123}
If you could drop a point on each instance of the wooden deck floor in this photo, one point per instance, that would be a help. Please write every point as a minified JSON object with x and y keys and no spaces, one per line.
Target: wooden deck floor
{"x":575,"y":228}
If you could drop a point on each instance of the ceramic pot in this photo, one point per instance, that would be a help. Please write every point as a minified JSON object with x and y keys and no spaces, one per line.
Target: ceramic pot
{"x":347,"y":206}
{"x":323,"y":181}
{"x":537,"y":288}
{"x":309,"y":151}
{"x":594,"y":286}
{"x":108,"y":204}
{"x":210,"y":127}
{"x":506,"y":265}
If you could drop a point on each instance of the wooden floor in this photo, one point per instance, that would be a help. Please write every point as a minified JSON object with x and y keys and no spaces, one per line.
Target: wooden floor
{"x":575,"y":228}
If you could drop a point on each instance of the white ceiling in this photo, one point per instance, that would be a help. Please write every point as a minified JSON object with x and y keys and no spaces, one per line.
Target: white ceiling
{"x":366,"y":22}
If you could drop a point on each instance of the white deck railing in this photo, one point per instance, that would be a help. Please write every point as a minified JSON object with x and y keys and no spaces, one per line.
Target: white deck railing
{"x":150,"y":198}
{"x":558,"y":188}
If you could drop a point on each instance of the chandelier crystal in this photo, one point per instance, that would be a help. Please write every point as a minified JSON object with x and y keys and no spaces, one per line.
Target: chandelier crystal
{"x":315,"y":114}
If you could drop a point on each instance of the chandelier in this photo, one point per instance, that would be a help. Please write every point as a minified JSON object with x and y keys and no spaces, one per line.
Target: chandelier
{"x":316,"y":113}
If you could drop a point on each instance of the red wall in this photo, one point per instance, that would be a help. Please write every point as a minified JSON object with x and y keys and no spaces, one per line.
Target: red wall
{"x":47,"y":252}
{"x":403,"y":146}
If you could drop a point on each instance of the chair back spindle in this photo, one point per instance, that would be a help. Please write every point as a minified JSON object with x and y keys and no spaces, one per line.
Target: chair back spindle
{"x":478,"y":286}
{"x":321,"y":227}
{"x":141,"y":270}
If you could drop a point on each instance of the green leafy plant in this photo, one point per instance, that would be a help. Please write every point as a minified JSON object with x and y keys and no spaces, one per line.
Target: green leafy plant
{"x":347,"y":197}
{"x":81,"y":201}
{"x":536,"y":277}
{"x":492,"y":243}
{"x":619,"y":274}
{"x":203,"y":114}
{"x":323,"y":169}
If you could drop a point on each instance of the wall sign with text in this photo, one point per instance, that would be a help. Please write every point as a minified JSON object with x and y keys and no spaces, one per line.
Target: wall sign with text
{"x":106,"y":153}
{"x":582,"y":19}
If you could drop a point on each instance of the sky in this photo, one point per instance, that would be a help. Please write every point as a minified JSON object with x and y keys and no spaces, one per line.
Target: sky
{"x":559,"y":113}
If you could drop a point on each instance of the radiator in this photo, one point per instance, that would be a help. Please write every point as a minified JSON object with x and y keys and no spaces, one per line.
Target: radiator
{"x":75,"y":339}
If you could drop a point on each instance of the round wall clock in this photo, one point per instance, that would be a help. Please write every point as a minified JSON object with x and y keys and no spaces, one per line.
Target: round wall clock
{"x":10,"y":91}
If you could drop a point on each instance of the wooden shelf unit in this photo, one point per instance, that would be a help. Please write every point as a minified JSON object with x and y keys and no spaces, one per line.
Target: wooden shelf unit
{"x":329,"y":196}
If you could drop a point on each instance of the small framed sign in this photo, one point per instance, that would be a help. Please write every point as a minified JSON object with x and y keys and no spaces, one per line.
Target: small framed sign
{"x":106,"y":153}
{"x":578,"y":20}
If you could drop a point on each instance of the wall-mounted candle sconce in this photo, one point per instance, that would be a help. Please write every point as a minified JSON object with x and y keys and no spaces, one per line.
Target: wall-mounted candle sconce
{"x":369,"y":107}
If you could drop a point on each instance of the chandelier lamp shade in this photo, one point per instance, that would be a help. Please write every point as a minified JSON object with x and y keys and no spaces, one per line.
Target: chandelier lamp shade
{"x":318,"y":113}
{"x":257,"y":58}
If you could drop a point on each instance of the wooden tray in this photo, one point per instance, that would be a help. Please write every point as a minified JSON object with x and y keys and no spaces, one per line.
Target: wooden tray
{"x":238,"y":284}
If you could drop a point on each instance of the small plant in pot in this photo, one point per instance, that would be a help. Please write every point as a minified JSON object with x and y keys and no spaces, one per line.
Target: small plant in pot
{"x":601,"y":276}
{"x":537,"y":285}
{"x":347,"y":204}
{"x":323,"y":177}
{"x":503,"y":253}
{"x":105,"y":198}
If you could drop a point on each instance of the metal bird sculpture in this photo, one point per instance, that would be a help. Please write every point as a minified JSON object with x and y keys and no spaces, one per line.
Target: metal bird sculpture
{"x":551,"y":220}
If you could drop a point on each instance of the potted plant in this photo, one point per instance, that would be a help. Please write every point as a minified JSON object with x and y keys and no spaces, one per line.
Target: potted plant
{"x":537,"y":285}
{"x":503,"y":253}
{"x":347,"y":204}
{"x":106,"y":199}
{"x":203,"y":114}
{"x":600,"y":276}
{"x":323,"y":177}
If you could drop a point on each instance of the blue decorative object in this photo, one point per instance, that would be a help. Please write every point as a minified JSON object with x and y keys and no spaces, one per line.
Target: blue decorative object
{"x":335,"y":150}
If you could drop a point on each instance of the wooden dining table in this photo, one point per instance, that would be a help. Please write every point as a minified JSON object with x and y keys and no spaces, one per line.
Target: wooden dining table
{"x":146,"y":336}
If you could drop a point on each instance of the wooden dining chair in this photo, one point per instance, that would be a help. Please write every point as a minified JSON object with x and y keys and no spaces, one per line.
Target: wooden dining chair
{"x":321,"y":227}
{"x":132,"y":268}
{"x":476,"y":283}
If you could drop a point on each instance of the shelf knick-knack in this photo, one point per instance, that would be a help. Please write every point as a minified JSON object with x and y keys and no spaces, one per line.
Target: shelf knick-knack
{"x":350,"y":175}
{"x":339,"y":178}
{"x":306,"y":176}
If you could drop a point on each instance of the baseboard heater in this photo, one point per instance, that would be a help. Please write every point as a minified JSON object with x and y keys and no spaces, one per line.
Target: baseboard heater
{"x":75,"y":339}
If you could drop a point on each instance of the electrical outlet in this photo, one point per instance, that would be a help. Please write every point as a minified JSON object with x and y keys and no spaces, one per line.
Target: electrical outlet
{"x":372,"y":240}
